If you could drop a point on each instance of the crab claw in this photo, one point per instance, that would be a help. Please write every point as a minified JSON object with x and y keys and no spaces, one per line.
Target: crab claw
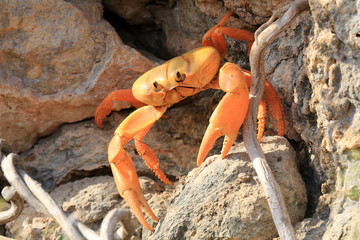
{"x":229,"y":114}
{"x":136,"y":125}
{"x":106,"y":105}
{"x":127,"y":181}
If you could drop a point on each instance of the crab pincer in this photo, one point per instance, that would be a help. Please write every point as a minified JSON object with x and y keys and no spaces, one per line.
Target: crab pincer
{"x":134,"y":126}
{"x":230,"y":113}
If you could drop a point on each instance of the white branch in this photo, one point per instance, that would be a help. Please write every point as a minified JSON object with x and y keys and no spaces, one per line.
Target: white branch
{"x":264,"y":37}
{"x":17,"y":205}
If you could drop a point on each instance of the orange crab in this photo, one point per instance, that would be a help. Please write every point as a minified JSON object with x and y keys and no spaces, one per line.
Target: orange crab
{"x":161,"y":87}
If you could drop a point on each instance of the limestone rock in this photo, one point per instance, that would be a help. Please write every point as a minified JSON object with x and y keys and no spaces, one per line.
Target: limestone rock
{"x":335,"y":79}
{"x":58,"y":60}
{"x":224,"y":199}
{"x":332,"y":113}
{"x":344,"y":219}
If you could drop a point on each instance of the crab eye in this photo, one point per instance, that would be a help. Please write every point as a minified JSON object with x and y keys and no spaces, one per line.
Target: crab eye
{"x":180,"y":77}
{"x":155,"y":84}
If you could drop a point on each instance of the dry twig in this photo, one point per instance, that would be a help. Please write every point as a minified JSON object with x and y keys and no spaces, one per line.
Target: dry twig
{"x":264,"y":36}
{"x":109,"y":223}
{"x":17,"y":205}
{"x":9,"y":194}
{"x":8,"y":168}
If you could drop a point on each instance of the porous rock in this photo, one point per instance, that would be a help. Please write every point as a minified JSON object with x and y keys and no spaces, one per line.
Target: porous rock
{"x":335,"y":79}
{"x":328,"y":118}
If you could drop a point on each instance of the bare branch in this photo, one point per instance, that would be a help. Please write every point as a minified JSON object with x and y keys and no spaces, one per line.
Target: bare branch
{"x":66,"y":224}
{"x":109,"y":223}
{"x":9,"y":194}
{"x":17,"y":205}
{"x":15,"y":180}
{"x":37,"y":194}
{"x":265,"y":36}
{"x":88,"y":233}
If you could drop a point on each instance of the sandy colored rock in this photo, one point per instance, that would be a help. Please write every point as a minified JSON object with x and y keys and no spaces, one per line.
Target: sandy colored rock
{"x":88,"y":199}
{"x":57,"y":62}
{"x":343,"y":221}
{"x":224,"y":199}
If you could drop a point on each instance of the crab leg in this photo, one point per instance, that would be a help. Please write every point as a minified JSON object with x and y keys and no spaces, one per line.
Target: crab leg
{"x":128,"y":184}
{"x":229,"y":114}
{"x":149,"y":156}
{"x":116,"y":96}
{"x":215,"y":36}
{"x":274,"y":103}
{"x":261,"y":119}
{"x":124,"y":172}
{"x":275,"y":106}
{"x":218,"y":40}
{"x":206,"y":41}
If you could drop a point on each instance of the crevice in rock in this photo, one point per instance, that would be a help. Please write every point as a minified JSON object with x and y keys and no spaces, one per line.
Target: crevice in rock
{"x":148,"y":37}
{"x":152,"y":176}
{"x":80,"y":174}
{"x":309,"y":175}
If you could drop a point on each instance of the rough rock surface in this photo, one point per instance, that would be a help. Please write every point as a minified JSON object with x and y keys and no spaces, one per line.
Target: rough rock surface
{"x":334,"y":136}
{"x":317,"y":59}
{"x":223,"y":199}
{"x":65,"y":59}
{"x":335,"y":79}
